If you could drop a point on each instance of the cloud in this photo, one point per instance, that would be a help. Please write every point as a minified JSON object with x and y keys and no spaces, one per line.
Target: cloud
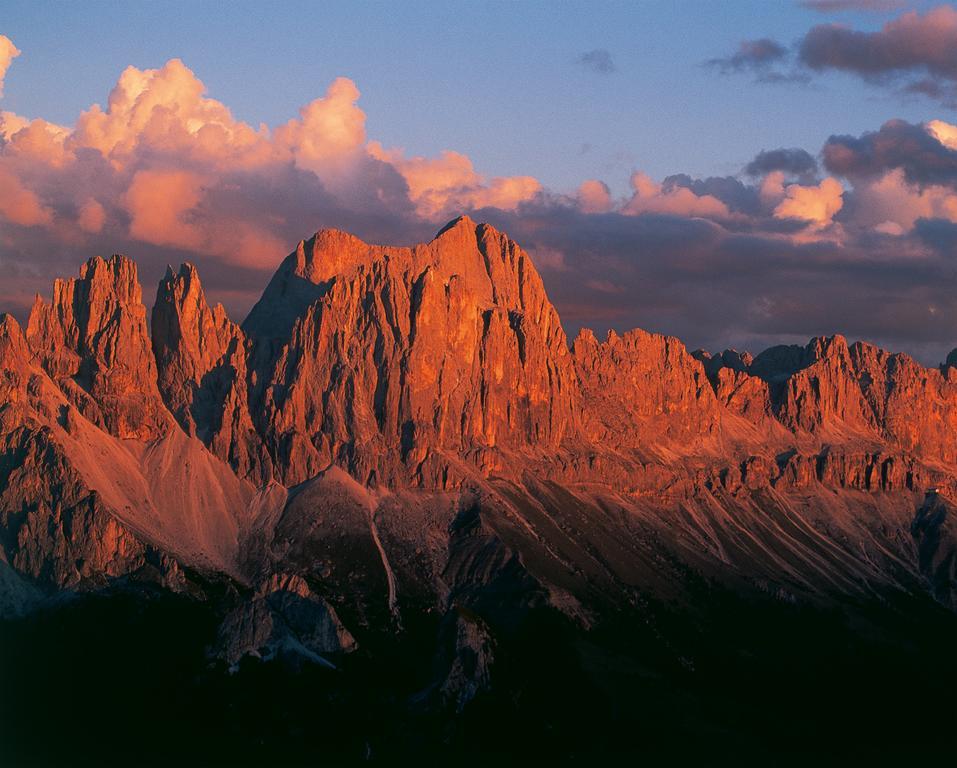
{"x":594,"y":197}
{"x":751,"y":55}
{"x":651,"y":197}
{"x":762,"y":58}
{"x":598,"y":60}
{"x":945,"y":133}
{"x":837,"y":6}
{"x":715,"y":288}
{"x":912,"y":46}
{"x":92,"y":216}
{"x":171,"y":167}
{"x":165,"y":172}
{"x":158,"y":202}
{"x":444,"y":185}
{"x":330,"y":132}
{"x":925,"y":153}
{"x":815,"y":204}
{"x":19,"y":205}
{"x":890,"y":203}
{"x":8,"y":52}
{"x":914,"y":54}
{"x":794,"y":162}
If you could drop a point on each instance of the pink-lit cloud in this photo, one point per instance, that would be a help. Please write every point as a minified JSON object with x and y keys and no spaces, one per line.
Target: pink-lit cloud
{"x":652,"y":197}
{"x":91,"y":217}
{"x":165,"y":172}
{"x":441,"y":186}
{"x":594,"y":197}
{"x":8,"y":52}
{"x":815,"y":204}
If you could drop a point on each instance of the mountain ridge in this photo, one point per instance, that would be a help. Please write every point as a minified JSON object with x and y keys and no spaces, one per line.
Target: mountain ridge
{"x":398,"y":458}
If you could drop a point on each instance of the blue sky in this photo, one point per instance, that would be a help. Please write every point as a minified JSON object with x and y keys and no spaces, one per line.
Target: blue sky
{"x":497,"y":81}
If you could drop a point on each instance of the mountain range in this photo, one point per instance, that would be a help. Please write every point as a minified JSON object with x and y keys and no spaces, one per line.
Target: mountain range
{"x":397,"y":506}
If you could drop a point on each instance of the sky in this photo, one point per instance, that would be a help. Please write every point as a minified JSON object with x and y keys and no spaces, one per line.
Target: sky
{"x":738,"y":173}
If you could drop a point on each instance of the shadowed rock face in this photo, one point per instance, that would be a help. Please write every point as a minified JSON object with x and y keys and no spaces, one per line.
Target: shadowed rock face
{"x":402,"y":437}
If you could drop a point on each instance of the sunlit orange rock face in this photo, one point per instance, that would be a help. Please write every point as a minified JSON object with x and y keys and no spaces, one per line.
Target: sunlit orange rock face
{"x":93,"y":341}
{"x":841,"y":393}
{"x":403,"y":355}
{"x":422,"y":410}
{"x":641,"y":390}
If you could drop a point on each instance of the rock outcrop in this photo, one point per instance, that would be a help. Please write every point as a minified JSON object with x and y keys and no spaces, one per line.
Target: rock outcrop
{"x":406,"y":355}
{"x":93,"y":341}
{"x":201,"y":358}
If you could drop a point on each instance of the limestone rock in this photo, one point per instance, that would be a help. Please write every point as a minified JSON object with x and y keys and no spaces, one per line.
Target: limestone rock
{"x":92,"y":340}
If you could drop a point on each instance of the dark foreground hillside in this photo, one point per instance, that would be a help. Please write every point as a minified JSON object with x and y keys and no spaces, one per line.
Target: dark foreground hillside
{"x":98,"y":679}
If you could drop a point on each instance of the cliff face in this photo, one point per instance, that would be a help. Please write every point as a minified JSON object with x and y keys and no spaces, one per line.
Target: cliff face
{"x":421,"y":409}
{"x":409,"y":356}
{"x":201,"y":358}
{"x":93,"y":341}
{"x":840,"y":393}
{"x":642,"y":390}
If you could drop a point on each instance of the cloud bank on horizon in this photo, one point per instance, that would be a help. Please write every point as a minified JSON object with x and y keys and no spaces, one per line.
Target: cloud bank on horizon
{"x":860,"y":239}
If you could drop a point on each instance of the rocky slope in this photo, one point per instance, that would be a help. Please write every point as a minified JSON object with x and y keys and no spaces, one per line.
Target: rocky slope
{"x":400,"y":442}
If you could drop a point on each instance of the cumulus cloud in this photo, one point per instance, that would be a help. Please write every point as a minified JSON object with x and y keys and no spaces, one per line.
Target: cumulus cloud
{"x":814,"y":204}
{"x":714,"y":287}
{"x":794,"y":162}
{"x":164,"y":165}
{"x":594,"y":197}
{"x":891,"y":204}
{"x":92,"y":216}
{"x":598,"y":60}
{"x":925,"y":153}
{"x":651,"y":197}
{"x":945,"y":133}
{"x":443,"y":185}
{"x":19,"y":205}
{"x":165,"y":172}
{"x":8,"y":52}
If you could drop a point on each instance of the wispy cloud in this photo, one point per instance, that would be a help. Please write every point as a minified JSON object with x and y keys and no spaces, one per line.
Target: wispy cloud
{"x":598,"y":60}
{"x":838,"y":6}
{"x":762,"y":58}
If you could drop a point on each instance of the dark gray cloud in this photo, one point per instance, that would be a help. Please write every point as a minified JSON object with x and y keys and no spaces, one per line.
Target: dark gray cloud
{"x":751,"y":55}
{"x":762,"y":58}
{"x":794,"y":162}
{"x":914,"y":54}
{"x":898,"y":144}
{"x":598,"y":60}
{"x":939,"y":234}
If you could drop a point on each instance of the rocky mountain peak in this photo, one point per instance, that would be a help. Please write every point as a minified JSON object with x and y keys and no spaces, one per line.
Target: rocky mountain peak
{"x":93,"y":339}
